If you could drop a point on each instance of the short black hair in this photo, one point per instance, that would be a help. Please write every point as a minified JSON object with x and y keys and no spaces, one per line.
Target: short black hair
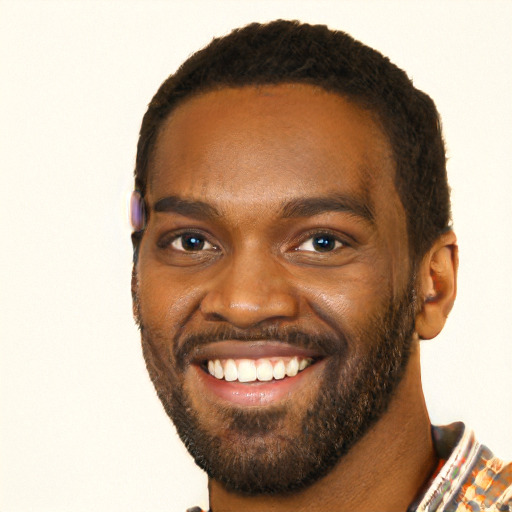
{"x":292,"y":52}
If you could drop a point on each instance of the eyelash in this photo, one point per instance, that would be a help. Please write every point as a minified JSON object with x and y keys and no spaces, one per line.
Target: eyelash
{"x":169,"y":241}
{"x":340,"y":242}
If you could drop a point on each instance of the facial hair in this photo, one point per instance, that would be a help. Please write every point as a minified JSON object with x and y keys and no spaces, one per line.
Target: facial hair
{"x":258,"y":453}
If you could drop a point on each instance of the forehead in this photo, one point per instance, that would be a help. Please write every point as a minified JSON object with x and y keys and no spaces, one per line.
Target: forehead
{"x":268,"y":144}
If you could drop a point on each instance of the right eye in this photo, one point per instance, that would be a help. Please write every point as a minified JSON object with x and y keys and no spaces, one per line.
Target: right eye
{"x":191,"y":242}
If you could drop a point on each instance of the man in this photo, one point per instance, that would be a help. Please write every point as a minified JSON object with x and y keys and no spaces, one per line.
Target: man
{"x":292,"y":245}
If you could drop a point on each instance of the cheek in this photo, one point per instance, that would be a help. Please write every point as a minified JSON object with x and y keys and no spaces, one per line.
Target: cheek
{"x":347,"y":296}
{"x":166,"y":300}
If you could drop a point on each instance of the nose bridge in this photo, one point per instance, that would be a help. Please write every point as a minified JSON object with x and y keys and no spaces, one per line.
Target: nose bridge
{"x":250,"y":289}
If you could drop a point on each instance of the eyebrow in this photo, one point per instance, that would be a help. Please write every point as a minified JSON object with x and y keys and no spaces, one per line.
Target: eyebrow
{"x":310,"y":206}
{"x":300,"y":207}
{"x":186,"y":207}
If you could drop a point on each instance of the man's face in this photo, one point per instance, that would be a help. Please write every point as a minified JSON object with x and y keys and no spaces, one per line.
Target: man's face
{"x":274,"y":287}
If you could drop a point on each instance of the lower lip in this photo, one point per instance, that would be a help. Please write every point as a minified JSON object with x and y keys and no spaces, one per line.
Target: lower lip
{"x":255,"y":393}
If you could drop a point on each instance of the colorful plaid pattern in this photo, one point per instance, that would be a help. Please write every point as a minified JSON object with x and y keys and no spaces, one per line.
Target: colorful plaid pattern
{"x":471,"y":479}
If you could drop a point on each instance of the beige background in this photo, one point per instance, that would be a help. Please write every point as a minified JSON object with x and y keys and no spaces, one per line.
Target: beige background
{"x":81,"y":428}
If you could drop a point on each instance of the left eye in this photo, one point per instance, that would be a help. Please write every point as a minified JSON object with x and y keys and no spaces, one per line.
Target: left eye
{"x":191,"y":242}
{"x":321,"y":243}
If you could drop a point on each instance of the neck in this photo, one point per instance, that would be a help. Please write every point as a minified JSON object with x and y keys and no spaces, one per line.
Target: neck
{"x":383,"y":471}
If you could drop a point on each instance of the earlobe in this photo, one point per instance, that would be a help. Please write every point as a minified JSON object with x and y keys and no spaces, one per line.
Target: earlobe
{"x":437,"y":285}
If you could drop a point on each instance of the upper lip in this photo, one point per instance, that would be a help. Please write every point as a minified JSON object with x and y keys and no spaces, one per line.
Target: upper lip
{"x":236,"y":349}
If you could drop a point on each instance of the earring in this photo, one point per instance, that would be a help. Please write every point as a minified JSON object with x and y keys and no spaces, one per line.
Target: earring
{"x":431,"y":297}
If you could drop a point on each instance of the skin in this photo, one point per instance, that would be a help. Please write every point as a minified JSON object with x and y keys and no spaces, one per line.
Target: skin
{"x":225,"y":148}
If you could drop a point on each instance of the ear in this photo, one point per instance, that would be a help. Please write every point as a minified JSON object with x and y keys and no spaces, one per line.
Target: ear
{"x":437,"y":286}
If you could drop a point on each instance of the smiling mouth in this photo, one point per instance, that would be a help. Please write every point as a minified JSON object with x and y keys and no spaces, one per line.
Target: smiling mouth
{"x":256,"y":370}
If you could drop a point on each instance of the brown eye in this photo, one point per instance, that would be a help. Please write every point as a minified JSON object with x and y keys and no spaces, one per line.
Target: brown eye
{"x":322,"y":242}
{"x":191,"y":242}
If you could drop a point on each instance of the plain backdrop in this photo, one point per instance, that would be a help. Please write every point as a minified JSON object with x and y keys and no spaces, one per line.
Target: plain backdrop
{"x":81,"y":427}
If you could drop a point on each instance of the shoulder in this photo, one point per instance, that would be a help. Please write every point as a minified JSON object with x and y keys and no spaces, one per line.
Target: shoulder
{"x":489,"y":486}
{"x":471,"y":479}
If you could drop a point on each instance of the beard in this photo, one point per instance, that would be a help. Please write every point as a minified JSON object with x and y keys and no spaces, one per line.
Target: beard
{"x":280,"y":449}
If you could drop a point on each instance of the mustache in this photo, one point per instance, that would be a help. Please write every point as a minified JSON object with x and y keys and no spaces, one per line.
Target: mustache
{"x":324,"y":343}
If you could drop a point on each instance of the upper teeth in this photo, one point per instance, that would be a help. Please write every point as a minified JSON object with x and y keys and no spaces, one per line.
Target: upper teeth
{"x":250,"y":370}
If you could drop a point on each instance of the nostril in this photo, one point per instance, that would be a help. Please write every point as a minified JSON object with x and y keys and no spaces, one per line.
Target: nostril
{"x":216,"y":317}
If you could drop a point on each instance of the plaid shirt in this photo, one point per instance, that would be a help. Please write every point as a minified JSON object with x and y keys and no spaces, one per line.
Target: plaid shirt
{"x":471,"y":479}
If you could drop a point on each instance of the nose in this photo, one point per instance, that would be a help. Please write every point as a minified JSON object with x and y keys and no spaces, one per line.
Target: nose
{"x":248,"y":291}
